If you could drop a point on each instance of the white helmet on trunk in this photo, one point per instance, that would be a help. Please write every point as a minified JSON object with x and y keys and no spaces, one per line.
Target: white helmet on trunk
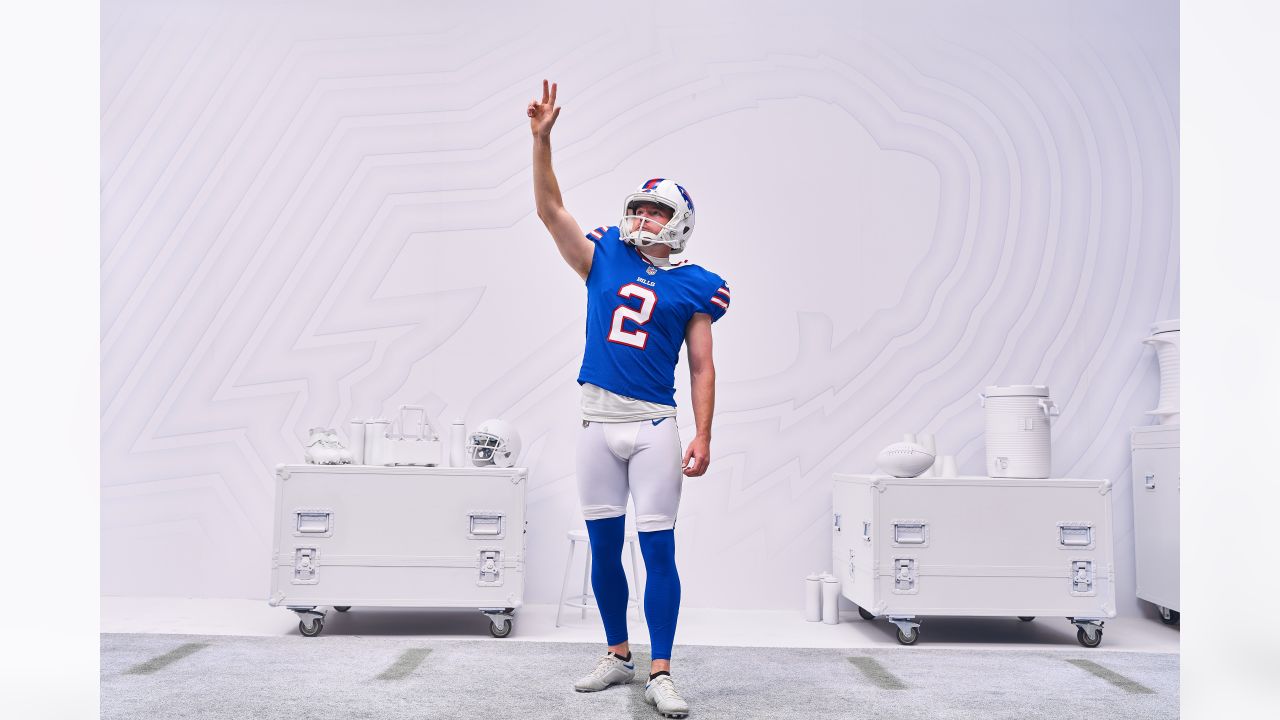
{"x":493,"y":442}
{"x":670,"y":195}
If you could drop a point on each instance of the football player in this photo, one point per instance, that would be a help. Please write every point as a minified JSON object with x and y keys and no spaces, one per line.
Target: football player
{"x":641,"y":308}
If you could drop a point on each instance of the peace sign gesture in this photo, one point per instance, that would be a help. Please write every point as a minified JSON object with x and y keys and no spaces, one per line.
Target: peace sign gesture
{"x":542,"y":115}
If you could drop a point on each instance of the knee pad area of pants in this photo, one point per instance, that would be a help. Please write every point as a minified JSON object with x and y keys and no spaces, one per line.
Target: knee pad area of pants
{"x":603,"y":512}
{"x":654,"y":523}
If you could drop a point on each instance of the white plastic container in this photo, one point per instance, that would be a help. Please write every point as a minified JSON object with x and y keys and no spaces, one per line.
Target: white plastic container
{"x":1166,"y":339}
{"x":458,"y":444}
{"x":1017,"y":430}
{"x":813,"y":598}
{"x":375,"y":441}
{"x":357,"y":442}
{"x":830,"y":599}
{"x":928,"y":442}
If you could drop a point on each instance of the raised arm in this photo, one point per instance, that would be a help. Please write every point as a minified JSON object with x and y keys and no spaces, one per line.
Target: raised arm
{"x":572,"y":243}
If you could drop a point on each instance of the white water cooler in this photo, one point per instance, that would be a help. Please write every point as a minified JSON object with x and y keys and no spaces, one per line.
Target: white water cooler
{"x":1017,"y":430}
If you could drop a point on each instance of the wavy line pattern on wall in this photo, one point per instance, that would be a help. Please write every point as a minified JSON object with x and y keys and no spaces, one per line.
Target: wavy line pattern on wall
{"x":313,"y":217}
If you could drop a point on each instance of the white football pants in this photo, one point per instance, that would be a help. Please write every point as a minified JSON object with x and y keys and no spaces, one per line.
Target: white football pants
{"x":637,"y":457}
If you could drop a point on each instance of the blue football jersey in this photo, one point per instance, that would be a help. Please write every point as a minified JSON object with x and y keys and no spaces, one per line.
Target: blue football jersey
{"x":636,"y":318}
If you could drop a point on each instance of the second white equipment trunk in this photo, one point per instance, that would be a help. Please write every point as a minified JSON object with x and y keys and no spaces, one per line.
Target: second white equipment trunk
{"x":911,"y":547}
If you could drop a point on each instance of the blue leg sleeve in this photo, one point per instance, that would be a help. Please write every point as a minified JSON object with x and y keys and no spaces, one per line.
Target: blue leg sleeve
{"x":608,"y":580}
{"x":662,"y":593}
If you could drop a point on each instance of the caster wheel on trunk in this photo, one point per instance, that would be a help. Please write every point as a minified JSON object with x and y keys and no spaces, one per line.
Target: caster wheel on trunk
{"x":1083,"y":637}
{"x":1024,"y":618}
{"x":342,"y":608}
{"x":311,"y":630}
{"x":500,"y":631}
{"x":1169,"y":617}
{"x":865,"y":615}
{"x":908,"y":638}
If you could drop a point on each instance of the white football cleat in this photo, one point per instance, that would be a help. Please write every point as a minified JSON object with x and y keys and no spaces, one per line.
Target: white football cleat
{"x":317,"y":450}
{"x":611,"y":670}
{"x":341,"y":455}
{"x":660,"y":692}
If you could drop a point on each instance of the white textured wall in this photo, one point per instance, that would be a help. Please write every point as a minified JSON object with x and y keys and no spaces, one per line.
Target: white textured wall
{"x":313,"y":211}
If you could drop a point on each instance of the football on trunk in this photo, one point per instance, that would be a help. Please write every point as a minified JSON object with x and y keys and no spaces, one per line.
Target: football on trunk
{"x":904,"y":459}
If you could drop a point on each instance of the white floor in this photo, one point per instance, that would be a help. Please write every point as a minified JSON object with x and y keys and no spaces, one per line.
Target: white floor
{"x":697,"y":626}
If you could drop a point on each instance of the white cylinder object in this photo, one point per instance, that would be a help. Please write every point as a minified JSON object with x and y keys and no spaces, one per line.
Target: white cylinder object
{"x":1167,"y":341}
{"x":813,"y":598}
{"x":357,"y":442}
{"x":928,"y":443}
{"x":948,"y":469}
{"x":375,"y":441}
{"x":1017,"y":430}
{"x":830,"y":600}
{"x":458,"y":444}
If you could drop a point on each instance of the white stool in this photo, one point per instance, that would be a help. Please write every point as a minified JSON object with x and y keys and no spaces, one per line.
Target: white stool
{"x":587,"y":599}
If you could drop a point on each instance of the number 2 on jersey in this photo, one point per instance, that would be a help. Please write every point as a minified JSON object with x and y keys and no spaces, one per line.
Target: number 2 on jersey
{"x":635,"y":338}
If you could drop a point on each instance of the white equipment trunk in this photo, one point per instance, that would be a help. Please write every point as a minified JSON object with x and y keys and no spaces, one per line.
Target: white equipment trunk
{"x":1156,"y":490}
{"x":975,"y":546}
{"x":361,"y":535}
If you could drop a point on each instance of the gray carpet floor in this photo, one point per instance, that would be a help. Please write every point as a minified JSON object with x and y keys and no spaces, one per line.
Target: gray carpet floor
{"x":223,"y":677}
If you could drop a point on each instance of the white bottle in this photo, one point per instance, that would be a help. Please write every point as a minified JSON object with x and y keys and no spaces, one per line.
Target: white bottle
{"x":357,"y":442}
{"x":458,"y":444}
{"x":927,"y":442}
{"x":376,"y":444}
{"x":830,"y":599}
{"x":813,"y":598}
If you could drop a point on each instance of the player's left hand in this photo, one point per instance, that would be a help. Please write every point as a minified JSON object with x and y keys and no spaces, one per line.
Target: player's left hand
{"x":697,"y":456}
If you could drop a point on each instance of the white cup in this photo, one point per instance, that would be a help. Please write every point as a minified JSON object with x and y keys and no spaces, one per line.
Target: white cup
{"x":949,"y":469}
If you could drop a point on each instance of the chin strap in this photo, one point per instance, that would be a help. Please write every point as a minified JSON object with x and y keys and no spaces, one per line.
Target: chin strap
{"x":656,"y":261}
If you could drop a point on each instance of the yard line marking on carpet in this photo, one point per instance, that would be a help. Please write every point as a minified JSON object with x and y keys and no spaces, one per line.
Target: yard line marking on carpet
{"x":161,"y":661}
{"x":408,"y":662}
{"x":1112,"y":676}
{"x":877,"y":673}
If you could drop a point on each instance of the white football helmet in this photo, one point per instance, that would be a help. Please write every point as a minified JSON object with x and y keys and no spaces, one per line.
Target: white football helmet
{"x":669,"y":194}
{"x":493,"y":442}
